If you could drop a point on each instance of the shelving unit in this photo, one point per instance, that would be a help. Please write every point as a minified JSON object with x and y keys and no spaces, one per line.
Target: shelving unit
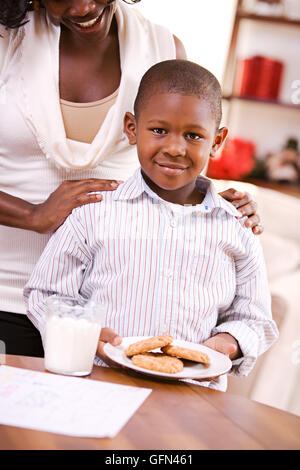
{"x":261,"y":114}
{"x":262,"y":101}
{"x":231,"y":58}
{"x":271,"y":19}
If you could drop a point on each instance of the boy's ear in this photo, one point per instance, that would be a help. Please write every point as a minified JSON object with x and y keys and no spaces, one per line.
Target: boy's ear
{"x":220,"y":138}
{"x":130,"y":127}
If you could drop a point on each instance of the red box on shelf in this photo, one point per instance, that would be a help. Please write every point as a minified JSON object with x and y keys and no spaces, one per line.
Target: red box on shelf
{"x":258,"y":77}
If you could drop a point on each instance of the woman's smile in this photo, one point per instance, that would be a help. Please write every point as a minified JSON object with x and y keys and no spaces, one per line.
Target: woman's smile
{"x":89,"y":25}
{"x":83,"y":17}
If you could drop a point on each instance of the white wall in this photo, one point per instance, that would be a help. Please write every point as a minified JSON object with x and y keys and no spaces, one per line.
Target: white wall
{"x":204,"y":27}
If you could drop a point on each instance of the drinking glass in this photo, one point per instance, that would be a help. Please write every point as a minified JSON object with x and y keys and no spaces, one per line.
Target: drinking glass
{"x":72,"y":333}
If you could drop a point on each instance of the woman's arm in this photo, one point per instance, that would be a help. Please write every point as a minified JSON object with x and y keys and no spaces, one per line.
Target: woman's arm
{"x":50,"y":214}
{"x":15,"y":212}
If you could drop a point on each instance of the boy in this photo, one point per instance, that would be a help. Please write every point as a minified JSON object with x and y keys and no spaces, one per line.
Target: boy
{"x":164,"y":252}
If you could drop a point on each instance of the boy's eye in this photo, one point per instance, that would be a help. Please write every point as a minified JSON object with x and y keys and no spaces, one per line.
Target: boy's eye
{"x":193,"y":136}
{"x":159,"y":130}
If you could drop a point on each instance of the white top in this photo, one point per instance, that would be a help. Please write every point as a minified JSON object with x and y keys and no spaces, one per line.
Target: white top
{"x":160,"y":267}
{"x":35,"y":155}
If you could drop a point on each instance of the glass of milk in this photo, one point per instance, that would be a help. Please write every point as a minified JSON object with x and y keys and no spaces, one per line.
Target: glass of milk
{"x":72,"y":332}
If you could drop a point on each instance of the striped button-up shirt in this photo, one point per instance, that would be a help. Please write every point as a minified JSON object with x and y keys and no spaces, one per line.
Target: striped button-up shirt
{"x":159,"y":267}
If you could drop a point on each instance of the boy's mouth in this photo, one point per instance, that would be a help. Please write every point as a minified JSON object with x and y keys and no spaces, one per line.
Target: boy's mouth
{"x":171,"y":168}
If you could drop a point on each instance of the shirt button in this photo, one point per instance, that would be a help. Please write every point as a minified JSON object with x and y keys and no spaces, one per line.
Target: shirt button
{"x":173,"y":223}
{"x":170,"y":274}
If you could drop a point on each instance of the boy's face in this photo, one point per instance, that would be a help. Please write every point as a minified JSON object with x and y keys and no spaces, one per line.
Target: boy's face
{"x":175,"y":136}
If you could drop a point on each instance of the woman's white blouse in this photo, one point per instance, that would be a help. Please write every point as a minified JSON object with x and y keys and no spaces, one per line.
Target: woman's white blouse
{"x":35,"y":155}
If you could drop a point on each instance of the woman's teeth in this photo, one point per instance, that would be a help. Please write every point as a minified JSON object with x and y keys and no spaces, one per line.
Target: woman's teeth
{"x":88,"y":24}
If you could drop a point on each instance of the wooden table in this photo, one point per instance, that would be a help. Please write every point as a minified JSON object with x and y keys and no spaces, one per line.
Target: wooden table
{"x":175,"y":416}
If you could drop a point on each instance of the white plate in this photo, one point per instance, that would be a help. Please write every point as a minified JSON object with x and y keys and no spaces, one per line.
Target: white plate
{"x":219,"y":364}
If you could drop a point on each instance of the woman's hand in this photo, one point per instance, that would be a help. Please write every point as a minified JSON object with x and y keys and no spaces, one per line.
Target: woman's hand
{"x":107,"y":335}
{"x":49,"y":215}
{"x":246,"y":206}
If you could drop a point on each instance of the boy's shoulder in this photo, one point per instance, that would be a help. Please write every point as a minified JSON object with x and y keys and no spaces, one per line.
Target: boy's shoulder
{"x":229,"y":213}
{"x":94,"y":207}
{"x":107,"y":205}
{"x":212,"y":199}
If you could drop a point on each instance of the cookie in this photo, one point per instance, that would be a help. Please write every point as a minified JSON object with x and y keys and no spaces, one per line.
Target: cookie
{"x":185,"y":353}
{"x":158,"y":362}
{"x":146,"y":345}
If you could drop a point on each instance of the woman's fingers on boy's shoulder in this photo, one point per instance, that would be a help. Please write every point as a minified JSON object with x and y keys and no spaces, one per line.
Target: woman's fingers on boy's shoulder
{"x":254,"y":222}
{"x":258,"y":229}
{"x":253,"y":219}
{"x":91,"y":184}
{"x":245,"y":204}
{"x":105,"y":185}
{"x":240,"y":199}
{"x":232,"y":194}
{"x":89,"y":191}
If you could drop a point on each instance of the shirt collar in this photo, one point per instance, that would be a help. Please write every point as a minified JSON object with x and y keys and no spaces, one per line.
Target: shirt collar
{"x":135,"y":186}
{"x":132,"y":188}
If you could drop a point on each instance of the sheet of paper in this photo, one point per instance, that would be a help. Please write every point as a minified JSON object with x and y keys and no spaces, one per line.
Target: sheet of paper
{"x":66,"y":405}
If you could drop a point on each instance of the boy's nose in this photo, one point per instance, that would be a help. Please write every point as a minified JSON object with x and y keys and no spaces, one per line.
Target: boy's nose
{"x":82,"y":8}
{"x":174,"y":146}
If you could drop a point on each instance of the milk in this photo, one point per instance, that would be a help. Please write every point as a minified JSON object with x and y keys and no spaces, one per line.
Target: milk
{"x":70,"y":344}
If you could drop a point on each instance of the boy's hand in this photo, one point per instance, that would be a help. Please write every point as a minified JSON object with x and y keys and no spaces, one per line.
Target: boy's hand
{"x":107,"y":335}
{"x":244,"y":203}
{"x":225,"y":344}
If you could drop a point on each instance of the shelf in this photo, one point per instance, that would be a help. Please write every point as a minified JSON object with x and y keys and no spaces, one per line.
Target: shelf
{"x":271,"y":19}
{"x":284,"y":107}
{"x":262,"y":101}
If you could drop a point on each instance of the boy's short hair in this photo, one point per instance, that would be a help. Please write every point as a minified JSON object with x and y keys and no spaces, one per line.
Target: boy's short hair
{"x":183,"y":77}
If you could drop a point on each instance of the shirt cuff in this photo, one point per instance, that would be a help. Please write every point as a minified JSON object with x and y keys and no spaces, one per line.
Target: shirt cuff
{"x":248,"y":343}
{"x":99,"y":362}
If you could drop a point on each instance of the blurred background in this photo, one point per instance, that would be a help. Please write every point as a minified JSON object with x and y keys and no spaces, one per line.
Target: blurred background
{"x":252,"y":46}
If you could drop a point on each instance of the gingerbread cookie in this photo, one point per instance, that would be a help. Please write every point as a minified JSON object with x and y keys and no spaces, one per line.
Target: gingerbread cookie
{"x":158,"y":362}
{"x":146,"y":345}
{"x":185,"y":353}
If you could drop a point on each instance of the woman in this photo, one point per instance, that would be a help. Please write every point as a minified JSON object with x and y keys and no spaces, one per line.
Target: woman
{"x":69,"y":71}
